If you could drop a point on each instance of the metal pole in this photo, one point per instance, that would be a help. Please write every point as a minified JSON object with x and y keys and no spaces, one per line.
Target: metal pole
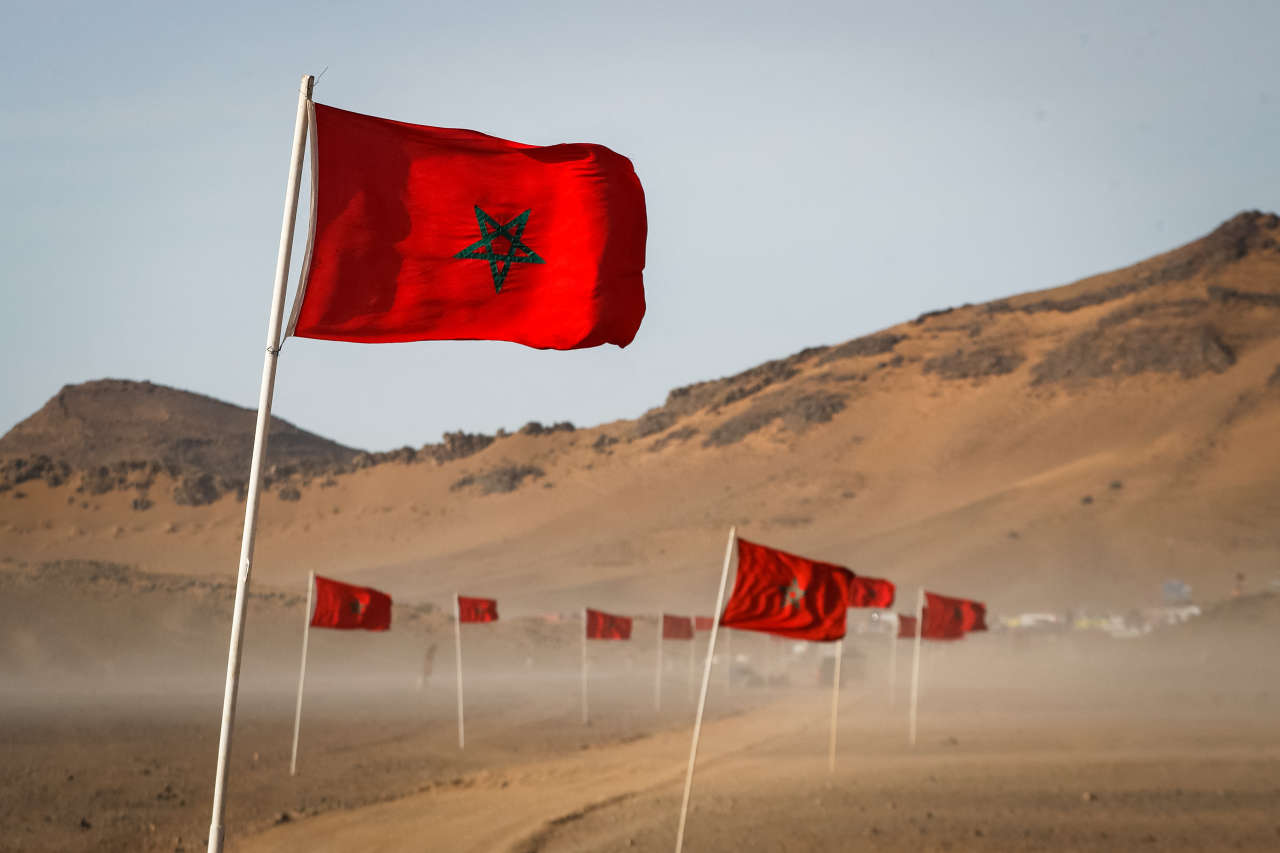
{"x":835,"y":707}
{"x":706,"y":682}
{"x":585,"y":712}
{"x":255,"y":467}
{"x":302,"y":673}
{"x":457,"y":649}
{"x":657,"y":680}
{"x":915,"y":666}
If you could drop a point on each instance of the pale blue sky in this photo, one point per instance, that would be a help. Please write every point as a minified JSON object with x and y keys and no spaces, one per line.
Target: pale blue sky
{"x":814,"y":172}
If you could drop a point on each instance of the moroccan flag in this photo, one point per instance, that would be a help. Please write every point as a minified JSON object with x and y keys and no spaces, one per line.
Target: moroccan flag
{"x":944,"y":617}
{"x":341,"y":605}
{"x":870,"y":592}
{"x":906,"y":627}
{"x":975,"y":615}
{"x":477,"y":609}
{"x":676,"y":627}
{"x":427,"y":233}
{"x":606,"y":626}
{"x":703,"y":623}
{"x":787,"y":595}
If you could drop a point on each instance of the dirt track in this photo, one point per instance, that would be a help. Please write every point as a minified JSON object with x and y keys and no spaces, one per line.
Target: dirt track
{"x":983,"y":779}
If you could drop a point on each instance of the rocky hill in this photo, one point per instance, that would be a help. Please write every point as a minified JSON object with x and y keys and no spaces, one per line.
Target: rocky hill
{"x":1073,"y":445}
{"x":114,"y":433}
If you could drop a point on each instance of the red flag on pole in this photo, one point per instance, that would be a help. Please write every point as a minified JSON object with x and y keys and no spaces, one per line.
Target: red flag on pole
{"x":906,"y":627}
{"x":676,"y":627}
{"x":975,"y":615}
{"x":428,"y":233}
{"x":606,"y":626}
{"x":703,"y":623}
{"x":341,"y":605}
{"x":944,"y":617}
{"x":477,"y":609}
{"x":787,"y":595}
{"x":870,"y":592}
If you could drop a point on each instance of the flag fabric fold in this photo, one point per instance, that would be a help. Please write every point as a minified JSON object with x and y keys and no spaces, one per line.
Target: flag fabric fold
{"x":871,"y":592}
{"x":429,"y":233}
{"x":344,"y":606}
{"x":944,"y":617}
{"x":906,"y":627}
{"x":676,"y":627}
{"x":787,"y":595}
{"x":606,"y":626}
{"x":477,"y":609}
{"x":975,"y":615}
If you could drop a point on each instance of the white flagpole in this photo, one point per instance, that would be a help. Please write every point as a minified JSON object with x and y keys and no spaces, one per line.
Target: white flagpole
{"x":255,"y":468}
{"x":585,"y":712}
{"x":893,"y":664}
{"x":657,"y":681}
{"x":915,"y":665}
{"x":302,"y":673}
{"x":706,"y":682}
{"x":457,"y":649}
{"x":835,"y":706}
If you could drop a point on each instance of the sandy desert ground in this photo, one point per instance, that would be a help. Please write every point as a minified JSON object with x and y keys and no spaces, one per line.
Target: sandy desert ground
{"x":1044,"y":742}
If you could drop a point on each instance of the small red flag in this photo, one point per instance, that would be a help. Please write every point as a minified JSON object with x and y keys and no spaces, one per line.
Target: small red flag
{"x":427,"y":233}
{"x":944,"y":617}
{"x":975,"y":616}
{"x":787,"y":595}
{"x":906,"y":626}
{"x":606,"y":626}
{"x":341,"y":605}
{"x":703,"y":623}
{"x":477,"y":609}
{"x":870,"y":592}
{"x":676,"y":627}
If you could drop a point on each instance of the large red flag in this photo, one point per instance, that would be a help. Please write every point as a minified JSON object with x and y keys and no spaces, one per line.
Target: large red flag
{"x":477,"y":609}
{"x":676,"y":627}
{"x":703,"y":623}
{"x":787,"y":595}
{"x":341,"y":605}
{"x":606,"y":626}
{"x":428,"y":233}
{"x":870,"y":592}
{"x":906,"y":626}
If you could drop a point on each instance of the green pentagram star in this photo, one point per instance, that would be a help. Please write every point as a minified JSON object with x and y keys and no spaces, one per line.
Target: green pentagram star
{"x":500,"y":263}
{"x":792,"y":593}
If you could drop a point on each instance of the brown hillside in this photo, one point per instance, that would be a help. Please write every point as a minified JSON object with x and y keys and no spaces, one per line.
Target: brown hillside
{"x":1071,"y":447}
{"x":116,"y":420}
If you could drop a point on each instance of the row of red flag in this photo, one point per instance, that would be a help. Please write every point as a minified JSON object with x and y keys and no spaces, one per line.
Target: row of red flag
{"x":428,"y":233}
{"x":775,"y":592}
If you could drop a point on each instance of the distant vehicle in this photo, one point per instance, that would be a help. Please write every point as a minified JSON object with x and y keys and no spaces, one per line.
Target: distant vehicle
{"x":1039,"y":622}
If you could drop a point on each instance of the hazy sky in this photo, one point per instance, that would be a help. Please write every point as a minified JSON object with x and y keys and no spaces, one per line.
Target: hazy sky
{"x":814,"y":172}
